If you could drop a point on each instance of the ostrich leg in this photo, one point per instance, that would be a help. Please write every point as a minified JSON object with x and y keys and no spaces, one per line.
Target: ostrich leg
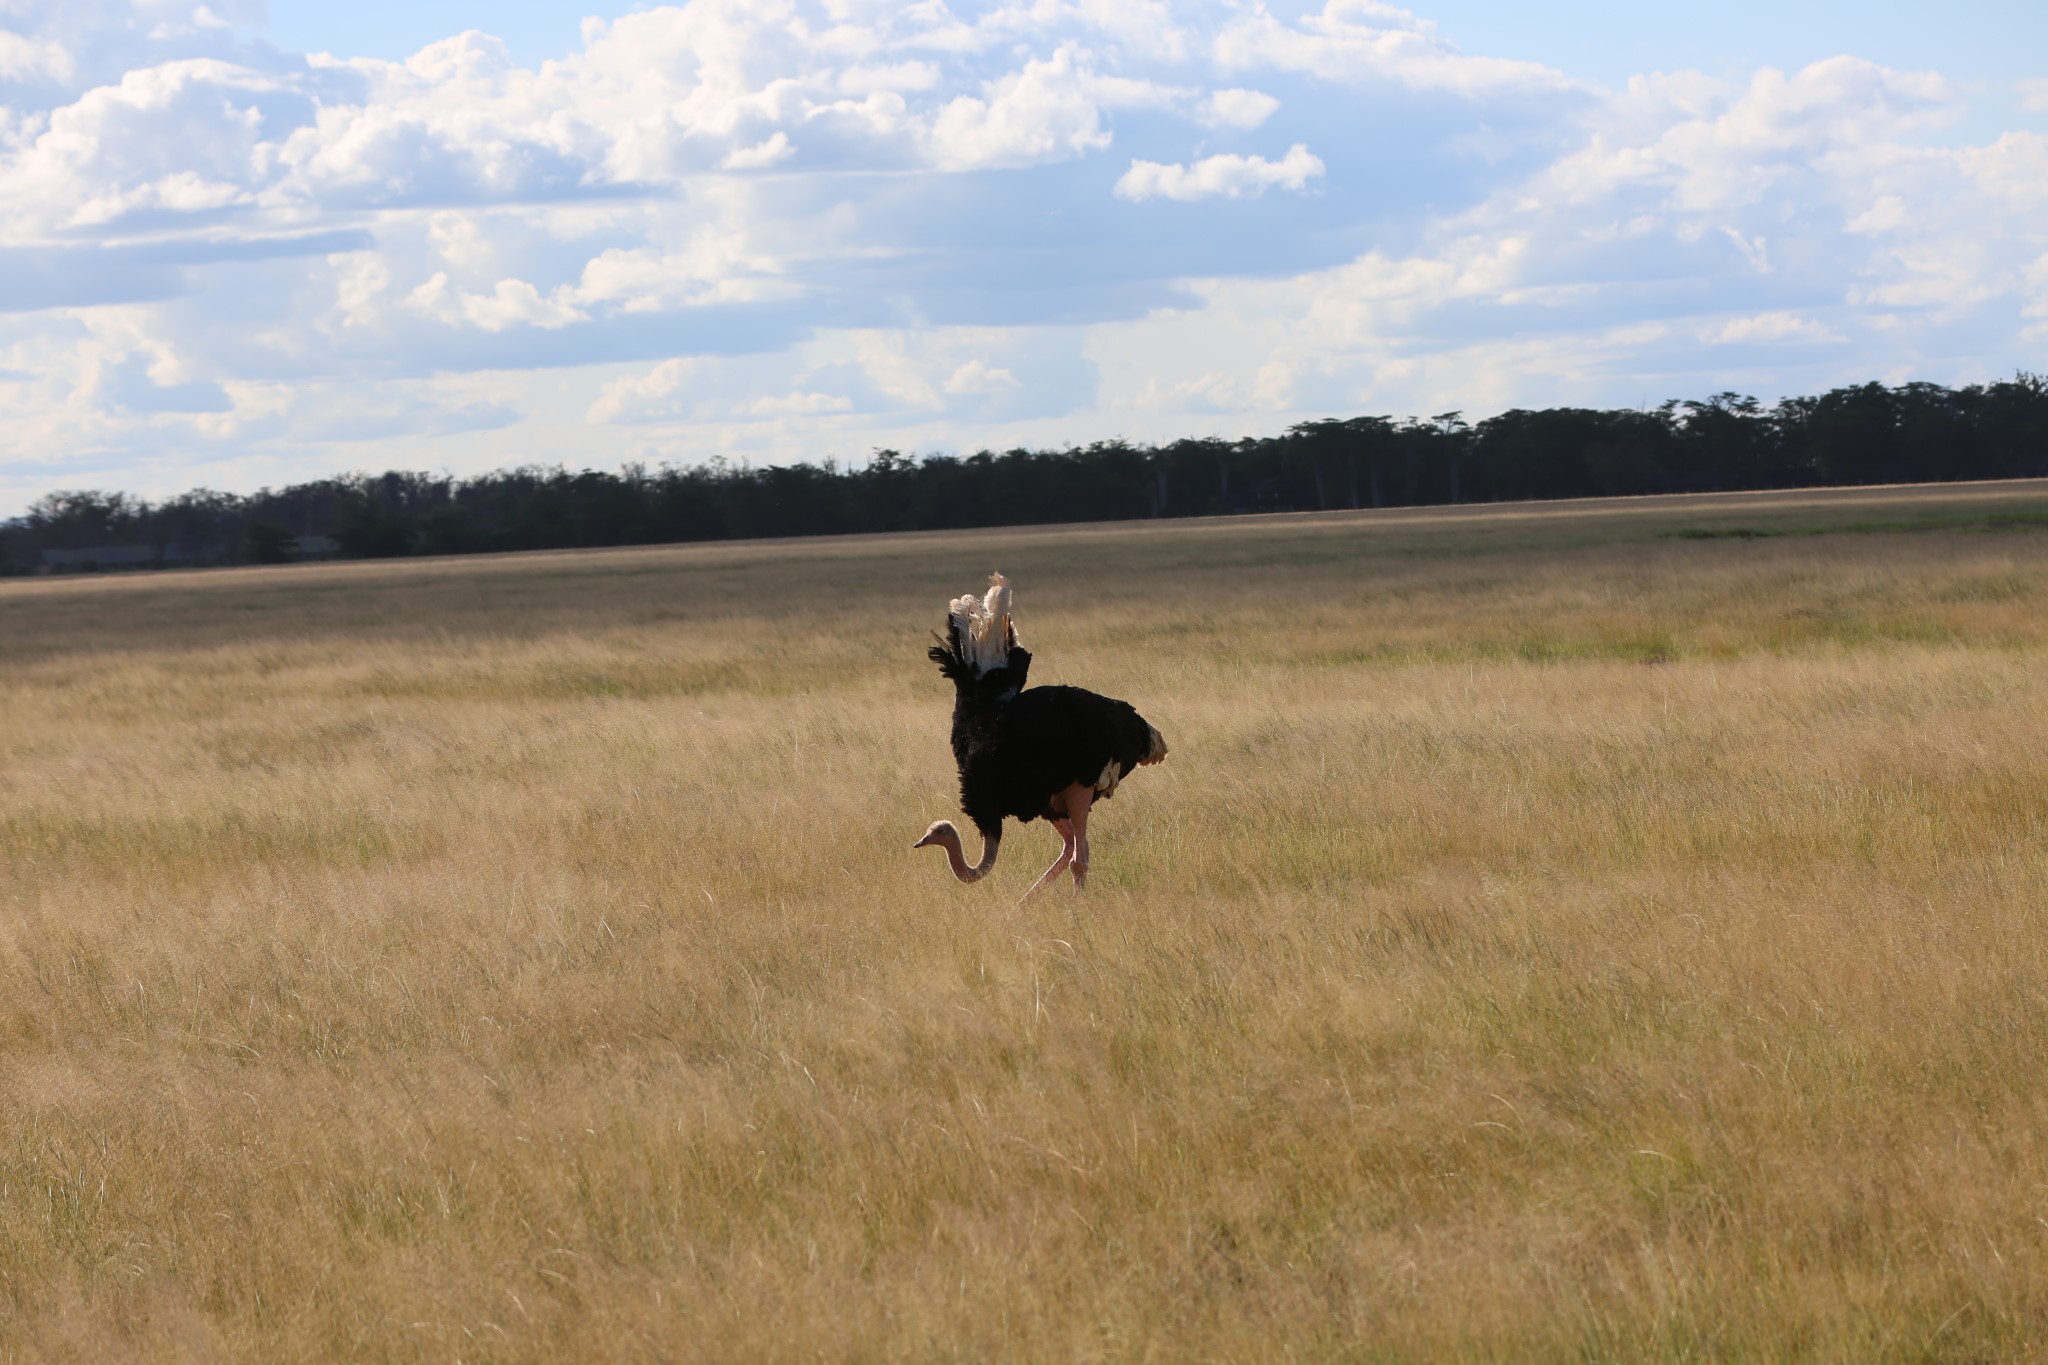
{"x":1079,"y":799}
{"x":1066,"y":830}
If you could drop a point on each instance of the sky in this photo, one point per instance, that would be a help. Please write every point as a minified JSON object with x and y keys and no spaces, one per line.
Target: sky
{"x":246,"y":245}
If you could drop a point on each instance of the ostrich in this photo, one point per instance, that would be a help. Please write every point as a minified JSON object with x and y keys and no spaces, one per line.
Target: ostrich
{"x":1047,"y":753}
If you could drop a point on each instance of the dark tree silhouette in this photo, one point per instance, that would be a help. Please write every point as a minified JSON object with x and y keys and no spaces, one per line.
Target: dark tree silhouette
{"x":1866,"y":433}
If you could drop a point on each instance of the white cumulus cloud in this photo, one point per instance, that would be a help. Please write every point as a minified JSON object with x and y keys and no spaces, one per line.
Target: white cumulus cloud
{"x":768,"y":152}
{"x":1044,"y":111}
{"x":1237,"y":108}
{"x":645,"y":397}
{"x":978,"y":376}
{"x":799,"y":405}
{"x":510,"y":303}
{"x":1226,"y":175}
{"x":24,"y":59}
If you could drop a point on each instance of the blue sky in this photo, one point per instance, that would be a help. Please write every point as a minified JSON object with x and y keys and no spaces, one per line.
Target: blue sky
{"x":245,"y":245}
{"x":1599,"y":40}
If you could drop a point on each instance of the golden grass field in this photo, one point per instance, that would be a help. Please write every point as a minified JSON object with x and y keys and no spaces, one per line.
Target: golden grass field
{"x":1596,"y":931}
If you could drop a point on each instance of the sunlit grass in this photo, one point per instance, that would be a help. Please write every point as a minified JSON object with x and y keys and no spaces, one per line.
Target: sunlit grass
{"x":1553,"y":935}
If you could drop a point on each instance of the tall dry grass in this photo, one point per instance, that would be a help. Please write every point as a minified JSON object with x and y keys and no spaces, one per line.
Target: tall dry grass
{"x":1593,"y":932}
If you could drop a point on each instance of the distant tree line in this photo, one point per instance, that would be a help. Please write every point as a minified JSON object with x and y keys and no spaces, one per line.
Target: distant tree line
{"x":1858,"y":435}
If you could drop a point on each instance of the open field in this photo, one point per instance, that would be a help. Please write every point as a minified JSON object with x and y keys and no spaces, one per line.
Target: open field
{"x":1593,"y":931}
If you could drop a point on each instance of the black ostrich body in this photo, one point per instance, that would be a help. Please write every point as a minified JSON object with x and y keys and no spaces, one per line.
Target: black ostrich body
{"x":1043,"y":753}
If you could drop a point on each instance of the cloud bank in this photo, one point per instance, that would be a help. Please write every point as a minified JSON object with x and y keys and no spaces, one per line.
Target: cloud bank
{"x":796,"y":230}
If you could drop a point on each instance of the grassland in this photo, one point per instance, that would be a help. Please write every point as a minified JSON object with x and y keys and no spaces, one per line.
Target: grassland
{"x":1600,"y":931}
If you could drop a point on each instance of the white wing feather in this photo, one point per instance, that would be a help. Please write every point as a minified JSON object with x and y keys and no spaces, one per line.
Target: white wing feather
{"x":985,"y":629}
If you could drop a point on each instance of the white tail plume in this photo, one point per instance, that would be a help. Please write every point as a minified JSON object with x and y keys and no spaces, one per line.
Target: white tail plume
{"x":986,"y":633}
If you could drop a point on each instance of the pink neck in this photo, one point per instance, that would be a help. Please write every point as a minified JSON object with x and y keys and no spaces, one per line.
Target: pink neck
{"x":948,"y":838}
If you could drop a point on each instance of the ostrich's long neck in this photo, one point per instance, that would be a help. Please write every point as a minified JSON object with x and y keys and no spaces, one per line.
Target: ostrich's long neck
{"x":948,"y":838}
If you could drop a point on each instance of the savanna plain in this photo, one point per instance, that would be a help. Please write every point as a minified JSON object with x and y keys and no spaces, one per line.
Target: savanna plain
{"x":1587,"y":931}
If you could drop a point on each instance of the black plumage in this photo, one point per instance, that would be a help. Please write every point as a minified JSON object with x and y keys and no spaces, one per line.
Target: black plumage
{"x":1039,"y":753}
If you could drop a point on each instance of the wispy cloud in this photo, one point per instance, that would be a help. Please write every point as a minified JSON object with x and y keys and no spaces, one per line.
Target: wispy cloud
{"x":1769,"y":328}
